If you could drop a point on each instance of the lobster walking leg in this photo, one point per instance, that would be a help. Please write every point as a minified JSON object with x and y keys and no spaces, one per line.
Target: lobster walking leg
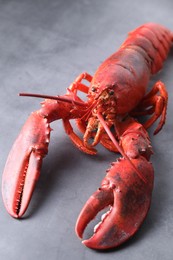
{"x":76,"y":140}
{"x":105,"y":140}
{"x":154,"y":104}
{"x":159,"y":103}
{"x":127,"y":195}
{"x":73,"y":89}
{"x":77,"y":85}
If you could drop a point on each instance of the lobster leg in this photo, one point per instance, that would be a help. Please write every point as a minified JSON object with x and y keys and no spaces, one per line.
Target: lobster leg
{"x":76,"y":140}
{"x":105,"y":140}
{"x":154,"y":104}
{"x":77,"y":85}
{"x":128,"y":196}
{"x":73,"y":89}
{"x":107,"y":143}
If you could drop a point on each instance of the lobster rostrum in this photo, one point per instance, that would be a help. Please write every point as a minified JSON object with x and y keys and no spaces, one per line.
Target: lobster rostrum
{"x":116,"y":95}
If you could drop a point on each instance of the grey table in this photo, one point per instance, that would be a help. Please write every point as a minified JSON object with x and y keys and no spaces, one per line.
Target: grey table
{"x":44,"y":45}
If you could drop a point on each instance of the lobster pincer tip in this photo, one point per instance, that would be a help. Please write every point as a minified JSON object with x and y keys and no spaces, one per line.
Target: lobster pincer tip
{"x":101,"y":199}
{"x":17,"y":189}
{"x":106,"y":233}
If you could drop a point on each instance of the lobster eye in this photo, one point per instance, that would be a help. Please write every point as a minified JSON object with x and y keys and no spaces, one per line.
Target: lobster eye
{"x":93,"y":89}
{"x":111,"y":92}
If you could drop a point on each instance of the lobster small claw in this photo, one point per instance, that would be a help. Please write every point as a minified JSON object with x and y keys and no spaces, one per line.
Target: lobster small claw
{"x":129,"y":199}
{"x":24,"y":163}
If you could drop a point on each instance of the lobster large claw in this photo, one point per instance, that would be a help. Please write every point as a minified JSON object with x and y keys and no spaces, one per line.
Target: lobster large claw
{"x":129,"y":199}
{"x":23,"y":165}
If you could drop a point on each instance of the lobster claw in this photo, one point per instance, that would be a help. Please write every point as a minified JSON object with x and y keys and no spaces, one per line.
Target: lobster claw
{"x":129,"y":199}
{"x":24,"y":163}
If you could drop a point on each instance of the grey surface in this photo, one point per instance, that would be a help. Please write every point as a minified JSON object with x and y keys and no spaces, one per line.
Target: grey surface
{"x":44,"y":45}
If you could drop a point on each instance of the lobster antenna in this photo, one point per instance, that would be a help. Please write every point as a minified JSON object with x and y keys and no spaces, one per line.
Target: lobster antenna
{"x":59,"y":98}
{"x":100,"y":117}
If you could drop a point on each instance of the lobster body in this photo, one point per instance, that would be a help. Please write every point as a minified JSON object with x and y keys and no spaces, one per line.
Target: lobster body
{"x":116,"y":93}
{"x":128,"y":70}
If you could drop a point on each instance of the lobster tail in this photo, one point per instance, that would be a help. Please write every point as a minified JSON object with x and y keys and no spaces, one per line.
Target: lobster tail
{"x":153,"y":41}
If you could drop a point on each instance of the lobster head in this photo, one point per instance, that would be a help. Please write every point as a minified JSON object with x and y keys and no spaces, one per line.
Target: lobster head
{"x":103,"y":98}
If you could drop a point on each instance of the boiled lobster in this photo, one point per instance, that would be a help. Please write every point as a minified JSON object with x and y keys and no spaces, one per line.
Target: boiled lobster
{"x":116,"y":95}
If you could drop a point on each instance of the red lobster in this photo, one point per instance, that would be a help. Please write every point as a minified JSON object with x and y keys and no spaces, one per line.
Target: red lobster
{"x":116,"y":94}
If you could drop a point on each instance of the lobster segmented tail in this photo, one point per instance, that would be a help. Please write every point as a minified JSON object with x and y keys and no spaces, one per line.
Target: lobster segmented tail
{"x":153,"y":41}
